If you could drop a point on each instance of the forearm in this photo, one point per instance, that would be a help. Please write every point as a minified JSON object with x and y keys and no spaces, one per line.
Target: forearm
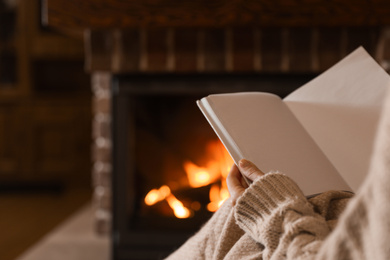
{"x":276,"y":214}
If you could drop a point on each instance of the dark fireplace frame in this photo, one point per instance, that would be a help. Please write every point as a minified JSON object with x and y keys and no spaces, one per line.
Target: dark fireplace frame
{"x":127,"y":244}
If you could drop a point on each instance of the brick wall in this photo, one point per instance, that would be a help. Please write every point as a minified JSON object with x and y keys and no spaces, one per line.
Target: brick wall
{"x":224,"y":50}
{"x":101,"y":151}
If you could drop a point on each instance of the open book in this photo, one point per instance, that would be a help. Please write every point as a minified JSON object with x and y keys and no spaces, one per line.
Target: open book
{"x":321,"y":135}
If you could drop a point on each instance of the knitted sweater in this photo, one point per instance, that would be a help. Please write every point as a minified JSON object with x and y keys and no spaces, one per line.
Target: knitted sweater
{"x":274,"y":220}
{"x":271,"y":219}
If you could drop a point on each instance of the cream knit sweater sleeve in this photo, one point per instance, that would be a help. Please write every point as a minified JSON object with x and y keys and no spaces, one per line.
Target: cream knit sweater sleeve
{"x":275,"y":213}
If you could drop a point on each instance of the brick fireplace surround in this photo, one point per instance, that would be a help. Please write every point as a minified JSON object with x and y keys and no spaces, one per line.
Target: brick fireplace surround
{"x":287,"y":43}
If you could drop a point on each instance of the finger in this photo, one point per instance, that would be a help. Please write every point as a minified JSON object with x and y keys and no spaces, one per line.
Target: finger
{"x":233,"y":182}
{"x":250,"y":170}
{"x":244,"y":182}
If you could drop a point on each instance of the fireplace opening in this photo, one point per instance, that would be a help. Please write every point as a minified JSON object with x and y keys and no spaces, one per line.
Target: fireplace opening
{"x":169,"y":167}
{"x":180,"y":164}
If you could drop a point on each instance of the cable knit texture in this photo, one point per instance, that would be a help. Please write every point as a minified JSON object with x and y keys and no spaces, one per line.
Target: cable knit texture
{"x":270,"y":207}
{"x":275,"y":213}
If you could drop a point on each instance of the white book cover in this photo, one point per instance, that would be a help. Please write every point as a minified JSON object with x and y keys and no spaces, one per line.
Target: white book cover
{"x":321,"y":135}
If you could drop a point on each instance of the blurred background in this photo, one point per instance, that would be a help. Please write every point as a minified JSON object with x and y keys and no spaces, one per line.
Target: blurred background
{"x":97,"y":110}
{"x":45,"y":127}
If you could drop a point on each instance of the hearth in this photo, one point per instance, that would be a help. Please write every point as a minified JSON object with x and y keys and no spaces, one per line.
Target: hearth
{"x":168,"y":164}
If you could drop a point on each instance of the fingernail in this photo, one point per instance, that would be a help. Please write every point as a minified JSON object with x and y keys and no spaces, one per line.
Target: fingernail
{"x":244,"y":163}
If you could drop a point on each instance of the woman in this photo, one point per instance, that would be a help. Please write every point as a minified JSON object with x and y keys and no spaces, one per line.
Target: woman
{"x":272,"y":219}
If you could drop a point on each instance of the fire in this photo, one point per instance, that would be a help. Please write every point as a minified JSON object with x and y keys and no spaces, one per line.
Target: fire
{"x":214,"y":173}
{"x":155,"y":195}
{"x":164,"y":193}
{"x":198,"y":176}
{"x":218,"y":194}
{"x":178,"y":208}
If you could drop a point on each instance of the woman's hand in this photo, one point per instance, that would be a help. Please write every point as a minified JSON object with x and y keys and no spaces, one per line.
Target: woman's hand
{"x":235,"y":181}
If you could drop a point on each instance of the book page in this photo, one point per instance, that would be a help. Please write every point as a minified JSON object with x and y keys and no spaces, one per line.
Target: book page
{"x":340,"y":109}
{"x":259,"y":127}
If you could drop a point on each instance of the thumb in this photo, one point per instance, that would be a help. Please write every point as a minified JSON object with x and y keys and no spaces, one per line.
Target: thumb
{"x":248,"y":169}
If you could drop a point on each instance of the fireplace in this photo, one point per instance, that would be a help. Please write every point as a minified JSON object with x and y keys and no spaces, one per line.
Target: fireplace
{"x":168,"y":164}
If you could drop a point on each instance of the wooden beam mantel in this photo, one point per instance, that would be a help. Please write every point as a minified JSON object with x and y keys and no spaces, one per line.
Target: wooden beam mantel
{"x":103,"y":14}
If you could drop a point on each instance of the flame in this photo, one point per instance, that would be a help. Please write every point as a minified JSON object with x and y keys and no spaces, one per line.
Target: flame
{"x":178,"y":208}
{"x":164,"y":193}
{"x":221,"y":158}
{"x":217,"y":167}
{"x":155,"y":195}
{"x":218,"y":194}
{"x":214,"y":172}
{"x":198,"y":176}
